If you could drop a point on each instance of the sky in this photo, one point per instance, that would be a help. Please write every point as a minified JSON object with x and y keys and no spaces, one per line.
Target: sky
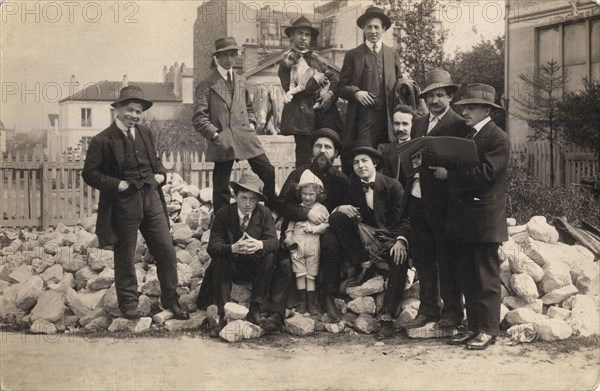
{"x":43,"y":43}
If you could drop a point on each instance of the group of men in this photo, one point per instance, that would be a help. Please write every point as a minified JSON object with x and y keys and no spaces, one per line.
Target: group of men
{"x":448,"y":220}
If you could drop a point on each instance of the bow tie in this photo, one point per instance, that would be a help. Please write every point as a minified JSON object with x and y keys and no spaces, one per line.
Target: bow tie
{"x":307,"y":56}
{"x":367,"y":185}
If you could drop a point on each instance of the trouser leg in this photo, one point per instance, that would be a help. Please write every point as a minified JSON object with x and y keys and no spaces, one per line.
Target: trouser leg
{"x":155,"y":229}
{"x":395,"y":288}
{"x":221,"y":175}
{"x":449,"y":290}
{"x":264,"y":268}
{"x":266,"y":172}
{"x":222,"y":279}
{"x":346,"y":231}
{"x":330,"y":263}
{"x":303,"y":149}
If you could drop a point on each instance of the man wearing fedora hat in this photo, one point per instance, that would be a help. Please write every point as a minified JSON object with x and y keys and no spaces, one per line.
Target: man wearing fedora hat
{"x":224,"y":116}
{"x":122,"y":163}
{"x":476,"y":221}
{"x":428,"y":198}
{"x":376,"y":200}
{"x":367,"y":80}
{"x":299,"y":118}
{"x":242,"y":246}
{"x":326,"y":146}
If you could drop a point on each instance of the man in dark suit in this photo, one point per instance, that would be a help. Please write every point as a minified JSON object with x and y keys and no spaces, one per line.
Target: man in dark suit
{"x":367,"y":82}
{"x":224,"y":116}
{"x":476,"y":223}
{"x":299,"y":118}
{"x":242,"y":246}
{"x":326,"y":146}
{"x":122,"y":163}
{"x":427,"y":209}
{"x":376,"y":200}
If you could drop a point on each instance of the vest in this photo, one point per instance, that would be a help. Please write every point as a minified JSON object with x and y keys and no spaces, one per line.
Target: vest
{"x":136,"y":166}
{"x":373,"y":77}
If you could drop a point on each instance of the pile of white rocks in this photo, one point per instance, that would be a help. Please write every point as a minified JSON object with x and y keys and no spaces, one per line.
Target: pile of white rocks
{"x":547,"y":284}
{"x":60,"y":281}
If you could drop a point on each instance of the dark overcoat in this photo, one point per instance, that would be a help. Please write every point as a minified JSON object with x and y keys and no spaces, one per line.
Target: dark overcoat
{"x":103,"y":171}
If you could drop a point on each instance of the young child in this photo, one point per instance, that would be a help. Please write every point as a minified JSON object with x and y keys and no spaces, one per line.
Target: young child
{"x":302,"y":239}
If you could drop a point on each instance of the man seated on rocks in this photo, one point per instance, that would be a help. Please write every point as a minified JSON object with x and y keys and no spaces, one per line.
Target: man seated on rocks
{"x":376,"y":200}
{"x":326,"y":145}
{"x":242,"y":246}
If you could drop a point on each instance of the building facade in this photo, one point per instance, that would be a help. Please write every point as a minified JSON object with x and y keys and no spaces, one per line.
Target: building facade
{"x":566,"y":31}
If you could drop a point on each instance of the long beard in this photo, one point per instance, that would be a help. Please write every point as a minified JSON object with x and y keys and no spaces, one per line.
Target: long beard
{"x":321,"y":163}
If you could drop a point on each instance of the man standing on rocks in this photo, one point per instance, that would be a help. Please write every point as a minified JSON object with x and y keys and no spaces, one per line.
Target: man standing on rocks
{"x":122,"y":163}
{"x":427,"y":205}
{"x":299,"y":118}
{"x":224,"y":116}
{"x":326,"y":146}
{"x":367,"y":81}
{"x":476,"y":223}
{"x":242,"y":246}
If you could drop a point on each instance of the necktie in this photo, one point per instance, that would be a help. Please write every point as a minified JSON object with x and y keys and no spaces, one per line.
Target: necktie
{"x":229,"y":82}
{"x":307,"y":56}
{"x":130,"y":136}
{"x":244,"y":224}
{"x":375,"y":49}
{"x":367,"y":185}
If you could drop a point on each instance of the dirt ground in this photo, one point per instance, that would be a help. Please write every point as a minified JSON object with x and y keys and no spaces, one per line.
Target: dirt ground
{"x":189,"y":361}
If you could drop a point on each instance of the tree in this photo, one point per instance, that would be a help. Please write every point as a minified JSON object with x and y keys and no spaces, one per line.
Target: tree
{"x":420,"y":35}
{"x":466,"y":67}
{"x":539,"y":105}
{"x":174,"y":136}
{"x":579,"y":117}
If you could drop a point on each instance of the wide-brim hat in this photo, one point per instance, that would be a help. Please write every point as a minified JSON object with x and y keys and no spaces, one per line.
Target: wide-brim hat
{"x":250,"y":182}
{"x":224,"y":44}
{"x":299,"y":23}
{"x":480,"y":94}
{"x":330,"y":134}
{"x":374,"y":12}
{"x":375,"y":155}
{"x":132,"y":92}
{"x":438,"y":78}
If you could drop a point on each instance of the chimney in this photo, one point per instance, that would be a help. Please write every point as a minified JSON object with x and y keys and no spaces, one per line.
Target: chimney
{"x":250,"y":56}
{"x":73,"y":81}
{"x":177,"y":80}
{"x":125,"y":81}
{"x":165,"y":70}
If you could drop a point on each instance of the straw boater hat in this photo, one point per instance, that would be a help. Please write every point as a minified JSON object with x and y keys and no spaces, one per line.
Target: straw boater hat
{"x":480,"y":94}
{"x":438,"y":78}
{"x":224,"y":44}
{"x":250,"y":182}
{"x":298,"y":23}
{"x":375,"y":155}
{"x":374,"y":12}
{"x":330,"y":134}
{"x":134,"y":93}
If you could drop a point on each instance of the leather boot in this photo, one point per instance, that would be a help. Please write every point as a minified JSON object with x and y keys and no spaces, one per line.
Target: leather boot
{"x":253,"y":315}
{"x":332,"y":311}
{"x":313,"y":307}
{"x":301,"y":306}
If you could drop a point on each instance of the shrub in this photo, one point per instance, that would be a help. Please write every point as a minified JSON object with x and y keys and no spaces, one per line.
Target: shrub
{"x":527,"y":197}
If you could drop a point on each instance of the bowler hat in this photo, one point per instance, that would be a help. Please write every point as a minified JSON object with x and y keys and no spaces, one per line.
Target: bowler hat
{"x":250,"y":182}
{"x":438,"y":78}
{"x":330,"y":134}
{"x":374,"y":12}
{"x":226,"y":43}
{"x":131,"y":92}
{"x":479,"y":94}
{"x":373,"y":153}
{"x":299,"y":23}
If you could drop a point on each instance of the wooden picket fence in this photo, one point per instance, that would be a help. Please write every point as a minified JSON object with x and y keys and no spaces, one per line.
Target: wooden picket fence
{"x":570,"y":164}
{"x":40,"y":192}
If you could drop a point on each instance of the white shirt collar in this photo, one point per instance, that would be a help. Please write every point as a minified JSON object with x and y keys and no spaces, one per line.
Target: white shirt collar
{"x":121,"y":125}
{"x":223,"y":72}
{"x":371,"y":179}
{"x":378,"y":44}
{"x":439,"y":117}
{"x":242,"y":215}
{"x":481,"y":123}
